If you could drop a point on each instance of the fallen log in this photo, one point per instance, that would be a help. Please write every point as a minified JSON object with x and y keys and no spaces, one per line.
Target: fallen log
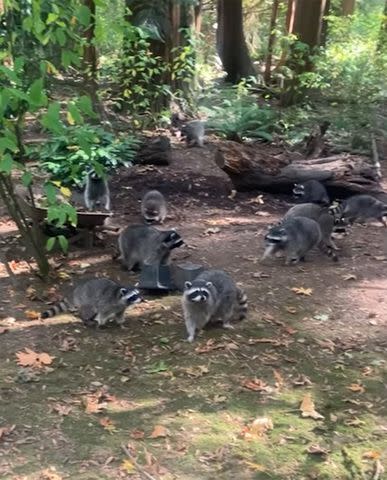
{"x":154,"y":151}
{"x":251,"y":167}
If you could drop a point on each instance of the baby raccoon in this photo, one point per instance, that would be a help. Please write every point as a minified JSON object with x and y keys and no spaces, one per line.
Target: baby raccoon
{"x":322,"y":215}
{"x":212,"y":297}
{"x":361,"y":208}
{"x":154,"y":207}
{"x":194,"y":133}
{"x":140,"y":244}
{"x":96,"y":192}
{"x":296,"y":236}
{"x":98,"y":300}
{"x":311,"y":191}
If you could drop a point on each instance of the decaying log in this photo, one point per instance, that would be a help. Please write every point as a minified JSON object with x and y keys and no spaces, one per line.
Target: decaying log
{"x":252,"y":168}
{"x":155,"y":151}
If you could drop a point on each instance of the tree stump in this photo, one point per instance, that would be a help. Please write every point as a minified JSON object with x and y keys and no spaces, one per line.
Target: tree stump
{"x":252,"y":167}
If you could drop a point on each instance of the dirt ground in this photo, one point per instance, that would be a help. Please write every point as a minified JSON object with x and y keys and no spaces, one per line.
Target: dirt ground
{"x":140,"y":402}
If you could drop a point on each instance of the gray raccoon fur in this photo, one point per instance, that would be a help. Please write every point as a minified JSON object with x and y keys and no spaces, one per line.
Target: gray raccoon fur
{"x":154,"y":207}
{"x":96,"y":192}
{"x":98,"y":300}
{"x":194,"y":132}
{"x":141,"y":244}
{"x":322,"y":215}
{"x":311,"y":191}
{"x":361,"y":208}
{"x":212,"y":297}
{"x":296,"y":236}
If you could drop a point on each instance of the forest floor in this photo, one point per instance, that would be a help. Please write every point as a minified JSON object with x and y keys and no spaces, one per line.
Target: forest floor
{"x":227,"y":406}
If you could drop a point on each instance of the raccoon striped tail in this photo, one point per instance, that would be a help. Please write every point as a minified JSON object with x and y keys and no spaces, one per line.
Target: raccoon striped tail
{"x":242,"y":303}
{"x":57,"y":309}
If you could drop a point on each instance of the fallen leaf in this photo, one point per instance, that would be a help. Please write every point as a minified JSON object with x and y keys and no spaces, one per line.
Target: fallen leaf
{"x":371,"y":455}
{"x":29,"y":358}
{"x":256,"y":385}
{"x":137,"y":434}
{"x":68,"y":344}
{"x":366,"y":371}
{"x":317,"y":450}
{"x":159,"y":431}
{"x":302,"y":291}
{"x":291,"y":310}
{"x":196,"y":371}
{"x":356,"y":387}
{"x":209,"y":346}
{"x":3,"y":330}
{"x":63,"y":410}
{"x":279,"y":381}
{"x":50,"y":474}
{"x":128,"y":466}
{"x":107,"y":424}
{"x":31,"y":314}
{"x":257,"y":467}
{"x":380,"y":258}
{"x":212,"y":230}
{"x":301,"y":381}
{"x":307,"y":408}
{"x":323,"y":317}
{"x":329,"y":344}
{"x":4,"y":431}
{"x":63,"y":275}
{"x":258,"y":428}
{"x":31,"y":293}
{"x":350,"y":276}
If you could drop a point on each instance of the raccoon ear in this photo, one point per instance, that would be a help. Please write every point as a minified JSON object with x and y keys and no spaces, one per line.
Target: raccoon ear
{"x":123,"y":292}
{"x":187,"y":285}
{"x":209,"y":284}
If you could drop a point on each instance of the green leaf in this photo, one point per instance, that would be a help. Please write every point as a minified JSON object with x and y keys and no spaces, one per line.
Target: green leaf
{"x":51,"y":18}
{"x":60,"y":36}
{"x":6,"y":163}
{"x":10,"y":74}
{"x":26,"y":179}
{"x":63,"y":242}
{"x":50,"y":191}
{"x":84,"y":104}
{"x":51,"y":119}
{"x":50,"y":243}
{"x":37,"y":95}
{"x":74,"y":112}
{"x":7,"y":143}
{"x":83,"y":14}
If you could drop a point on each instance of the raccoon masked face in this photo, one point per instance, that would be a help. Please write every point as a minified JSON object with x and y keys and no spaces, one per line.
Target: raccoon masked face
{"x":129,"y":296}
{"x":173,"y":240}
{"x":298,"y":190}
{"x":276,"y":235}
{"x":151,"y":216}
{"x":197,"y":294}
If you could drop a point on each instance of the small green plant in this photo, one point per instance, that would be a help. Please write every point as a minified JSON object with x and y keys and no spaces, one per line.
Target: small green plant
{"x":239,"y":117}
{"x":67,"y":156}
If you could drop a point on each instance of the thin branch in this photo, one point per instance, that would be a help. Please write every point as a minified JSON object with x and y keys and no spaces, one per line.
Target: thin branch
{"x":147,"y":475}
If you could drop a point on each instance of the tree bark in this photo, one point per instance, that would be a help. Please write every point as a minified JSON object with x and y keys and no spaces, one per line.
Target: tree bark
{"x":251,"y":169}
{"x":273,"y":21}
{"x":348,"y":7}
{"x":198,"y":16}
{"x":231,"y":44}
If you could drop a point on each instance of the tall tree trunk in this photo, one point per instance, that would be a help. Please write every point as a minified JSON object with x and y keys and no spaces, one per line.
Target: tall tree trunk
{"x":324,"y":28}
{"x":348,"y":7}
{"x":90,"y":59}
{"x":231,"y":42}
{"x":307,"y":27}
{"x":270,"y":46}
{"x":382,"y":41}
{"x":198,"y":16}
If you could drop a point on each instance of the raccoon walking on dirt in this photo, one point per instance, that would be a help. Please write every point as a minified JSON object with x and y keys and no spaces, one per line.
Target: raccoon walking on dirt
{"x":311,"y":191}
{"x":96,"y":192}
{"x":212,"y":297}
{"x":154,"y":207}
{"x":361,"y":208}
{"x":98,"y":300}
{"x":194,"y":132}
{"x":296,"y":236}
{"x":327,"y":220}
{"x":141,"y":244}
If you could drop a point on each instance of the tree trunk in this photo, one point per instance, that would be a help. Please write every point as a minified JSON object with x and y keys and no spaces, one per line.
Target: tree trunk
{"x":251,"y":169}
{"x":348,"y":7}
{"x":307,"y":27}
{"x":382,"y":41}
{"x":198,"y":16}
{"x":273,"y":21}
{"x":231,"y":42}
{"x":324,"y":28}
{"x":90,"y":60}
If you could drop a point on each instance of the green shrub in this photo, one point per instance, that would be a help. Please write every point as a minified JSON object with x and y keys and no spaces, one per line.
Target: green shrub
{"x":68,"y":156}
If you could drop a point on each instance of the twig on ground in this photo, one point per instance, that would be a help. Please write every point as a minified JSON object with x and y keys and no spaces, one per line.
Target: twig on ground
{"x":139,"y":468}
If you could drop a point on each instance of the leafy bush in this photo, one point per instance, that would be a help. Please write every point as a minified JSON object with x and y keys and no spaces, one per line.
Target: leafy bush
{"x":68,"y":156}
{"x":239,"y":116}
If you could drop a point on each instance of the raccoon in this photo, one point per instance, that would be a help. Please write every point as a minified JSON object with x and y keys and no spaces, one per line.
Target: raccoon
{"x":98,"y":300}
{"x":311,"y":191}
{"x":96,"y":192}
{"x":211,"y":297}
{"x":322,"y":215}
{"x":141,"y":244}
{"x":194,"y":133}
{"x":361,"y":208}
{"x":296,"y":236}
{"x":154,"y":207}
